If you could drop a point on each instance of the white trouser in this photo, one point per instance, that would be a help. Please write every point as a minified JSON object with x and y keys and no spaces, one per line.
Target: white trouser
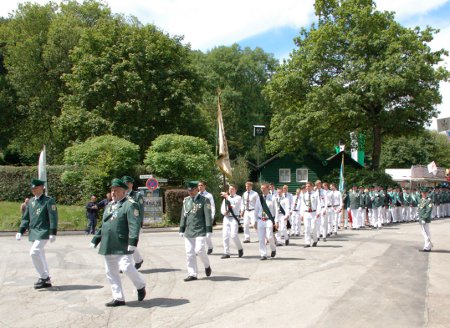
{"x":414,"y":213}
{"x":426,"y":235}
{"x":377,"y":217}
{"x":37,"y":254}
{"x":249,"y":219}
{"x":282,"y":228}
{"x":322,"y":223}
{"x":295,"y":222}
{"x":209,"y":242}
{"x":265,"y":232}
{"x":438,"y":211}
{"x":195,"y":247}
{"x":370,"y":216}
{"x":335,"y":218}
{"x":405,"y":213}
{"x":230,"y":230}
{"x":116,"y":263}
{"x":137,"y":255}
{"x":394,"y":215}
{"x":310,"y":223}
{"x":345,"y":211}
{"x":356,"y":214}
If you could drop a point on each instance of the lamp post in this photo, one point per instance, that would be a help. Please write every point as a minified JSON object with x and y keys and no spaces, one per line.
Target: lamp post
{"x":258,"y":132}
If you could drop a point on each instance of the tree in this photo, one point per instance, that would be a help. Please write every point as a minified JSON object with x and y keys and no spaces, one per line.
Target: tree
{"x":241,"y":75}
{"x":357,"y":70}
{"x":131,"y":81}
{"x":37,"y":42}
{"x":403,"y":152}
{"x":99,"y":159}
{"x":181,"y":158}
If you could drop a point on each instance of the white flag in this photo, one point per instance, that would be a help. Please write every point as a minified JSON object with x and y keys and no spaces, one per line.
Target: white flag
{"x":223,"y":160}
{"x":432,"y":168}
{"x":42,"y":168}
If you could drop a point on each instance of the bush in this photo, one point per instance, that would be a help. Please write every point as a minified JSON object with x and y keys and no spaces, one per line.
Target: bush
{"x":174,"y":202}
{"x":362,"y":177}
{"x":15,"y":184}
{"x":99,"y":159}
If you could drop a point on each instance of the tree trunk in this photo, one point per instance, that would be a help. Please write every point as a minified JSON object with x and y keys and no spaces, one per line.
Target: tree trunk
{"x":376,"y":149}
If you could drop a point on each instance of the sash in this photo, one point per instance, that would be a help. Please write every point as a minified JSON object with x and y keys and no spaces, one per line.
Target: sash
{"x":266,"y":209}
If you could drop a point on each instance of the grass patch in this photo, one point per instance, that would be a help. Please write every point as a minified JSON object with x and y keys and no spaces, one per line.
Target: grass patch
{"x":70,"y":217}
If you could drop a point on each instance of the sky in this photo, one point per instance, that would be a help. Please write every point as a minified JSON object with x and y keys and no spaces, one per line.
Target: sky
{"x":268,"y":24}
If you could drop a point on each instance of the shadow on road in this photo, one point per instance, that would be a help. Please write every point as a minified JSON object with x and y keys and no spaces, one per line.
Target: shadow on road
{"x":158,"y":302}
{"x":225,"y":278}
{"x":64,"y":288}
{"x":158,"y":270}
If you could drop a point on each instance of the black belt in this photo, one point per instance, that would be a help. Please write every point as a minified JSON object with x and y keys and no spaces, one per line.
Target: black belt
{"x":330,"y":206}
{"x":250,"y":210}
{"x":295,"y":210}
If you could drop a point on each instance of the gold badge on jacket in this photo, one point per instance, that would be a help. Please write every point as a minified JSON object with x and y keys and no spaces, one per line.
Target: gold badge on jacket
{"x":38,"y":211}
{"x":53,"y":207}
{"x":136,"y":212}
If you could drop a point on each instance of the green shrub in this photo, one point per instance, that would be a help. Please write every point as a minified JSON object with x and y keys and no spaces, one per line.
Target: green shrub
{"x":174,"y":201}
{"x":98,"y":160}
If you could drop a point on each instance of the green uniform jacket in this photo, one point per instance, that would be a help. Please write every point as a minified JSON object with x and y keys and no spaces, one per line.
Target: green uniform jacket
{"x":415,"y":197}
{"x":195,"y":217}
{"x":137,"y":197}
{"x":120,"y":228}
{"x":355,"y":199}
{"x":40,"y":218}
{"x":377,"y":199}
{"x":425,"y":208}
{"x":406,"y":199}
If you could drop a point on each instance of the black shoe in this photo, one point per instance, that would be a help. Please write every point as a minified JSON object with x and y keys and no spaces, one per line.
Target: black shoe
{"x":115,"y":303}
{"x":427,"y":250}
{"x":241,"y":252}
{"x":263,"y":258}
{"x":141,"y":294}
{"x":225,"y":256}
{"x":320,"y":236}
{"x":324,"y":239}
{"x":41,"y":280}
{"x":138,"y":264}
{"x":306,"y":246}
{"x":190,"y":278}
{"x":287,"y":242}
{"x":45,"y":283}
{"x":208,"y":271}
{"x":314,"y":244}
{"x":210,"y":250}
{"x":273,"y":253}
{"x":246,"y":241}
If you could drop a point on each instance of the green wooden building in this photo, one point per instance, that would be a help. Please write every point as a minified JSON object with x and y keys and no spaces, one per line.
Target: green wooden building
{"x":294,"y":170}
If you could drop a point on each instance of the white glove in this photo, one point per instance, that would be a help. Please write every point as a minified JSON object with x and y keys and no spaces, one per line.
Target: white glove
{"x":131,"y":248}
{"x":18,"y":236}
{"x":92,"y":245}
{"x":181,"y":234}
{"x":52,"y":238}
{"x":208,"y":234}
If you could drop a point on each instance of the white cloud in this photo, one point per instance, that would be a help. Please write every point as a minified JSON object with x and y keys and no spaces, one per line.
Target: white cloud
{"x":407,"y":8}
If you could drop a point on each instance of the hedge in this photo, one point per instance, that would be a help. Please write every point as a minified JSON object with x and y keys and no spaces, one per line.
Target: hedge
{"x":174,"y":202}
{"x":15,"y":184}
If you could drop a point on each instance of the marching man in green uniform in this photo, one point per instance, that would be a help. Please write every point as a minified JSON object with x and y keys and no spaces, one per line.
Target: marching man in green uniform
{"x":137,"y":197}
{"x":41,"y":220}
{"x":195,"y":225}
{"x":118,"y":237}
{"x":425,"y":209}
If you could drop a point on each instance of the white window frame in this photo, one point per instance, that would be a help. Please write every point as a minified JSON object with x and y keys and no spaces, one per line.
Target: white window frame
{"x":284,"y":173}
{"x":297,"y":175}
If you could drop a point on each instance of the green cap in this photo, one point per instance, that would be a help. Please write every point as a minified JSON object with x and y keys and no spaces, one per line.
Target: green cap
{"x":37,"y":182}
{"x":191,"y":185}
{"x":127,"y":178}
{"x":424,"y":189}
{"x":118,"y":183}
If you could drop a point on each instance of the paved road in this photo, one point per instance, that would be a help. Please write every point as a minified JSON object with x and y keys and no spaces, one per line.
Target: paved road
{"x":358,"y":279}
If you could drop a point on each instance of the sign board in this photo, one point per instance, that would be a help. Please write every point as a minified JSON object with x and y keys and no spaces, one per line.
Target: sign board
{"x":152,"y":184}
{"x":443,"y":124}
{"x":153,"y":205}
{"x":150,"y":176}
{"x":259,"y":130}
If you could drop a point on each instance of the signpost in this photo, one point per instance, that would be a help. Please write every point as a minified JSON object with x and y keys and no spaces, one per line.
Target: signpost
{"x":443,"y":124}
{"x":153,"y":202}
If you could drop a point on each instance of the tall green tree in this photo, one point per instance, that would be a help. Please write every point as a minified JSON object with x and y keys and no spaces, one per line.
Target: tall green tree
{"x":132,"y":81}
{"x":357,"y":69}
{"x":37,"y":41}
{"x":426,"y":146}
{"x":240,"y":75}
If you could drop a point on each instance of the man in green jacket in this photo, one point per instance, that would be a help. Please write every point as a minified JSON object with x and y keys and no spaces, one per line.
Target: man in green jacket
{"x":118,"y":237}
{"x":137,"y":197}
{"x":41,"y":220}
{"x":195,"y":225}
{"x":425,"y":209}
